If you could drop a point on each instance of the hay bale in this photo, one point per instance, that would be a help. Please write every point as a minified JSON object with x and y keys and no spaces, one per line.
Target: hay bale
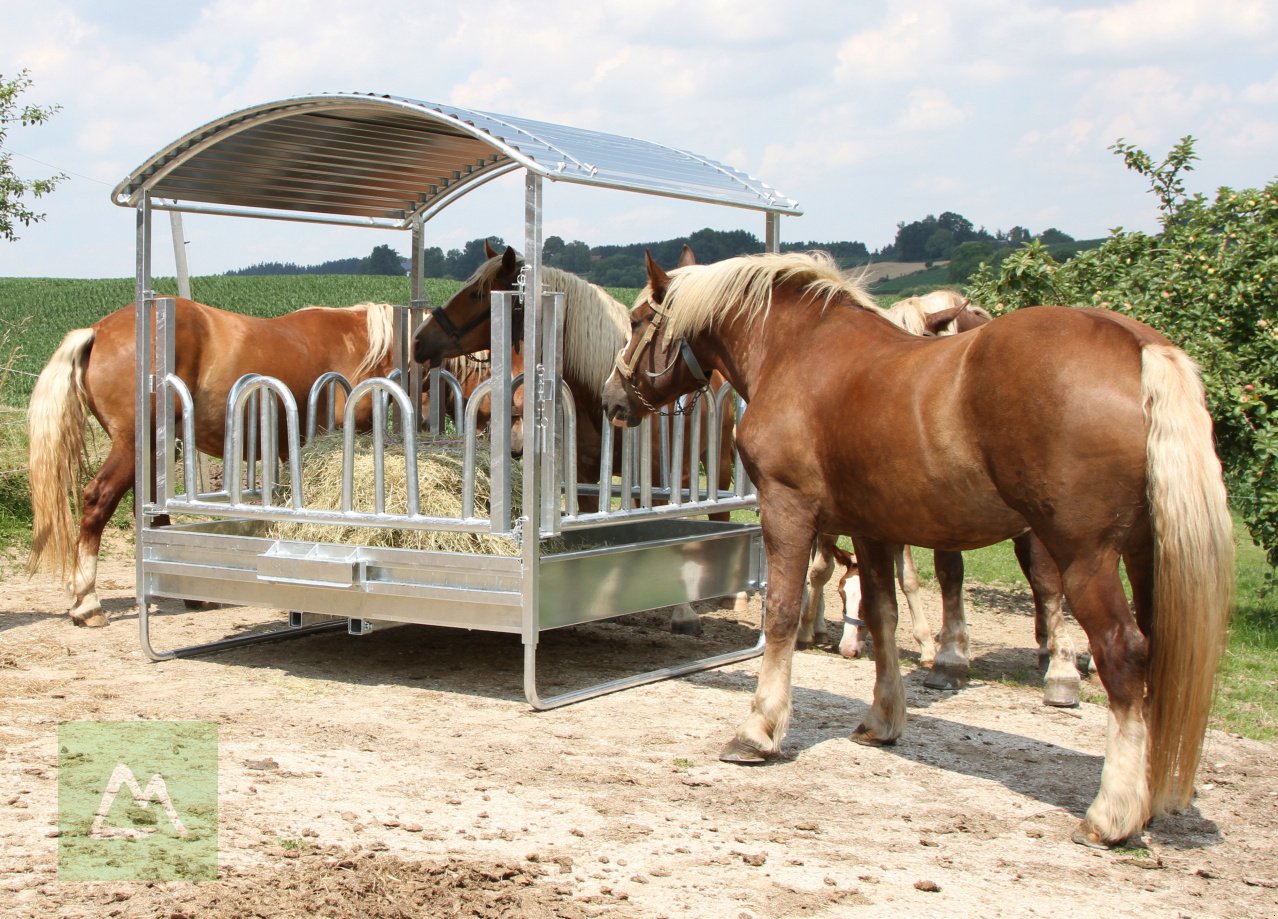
{"x":439,"y":474}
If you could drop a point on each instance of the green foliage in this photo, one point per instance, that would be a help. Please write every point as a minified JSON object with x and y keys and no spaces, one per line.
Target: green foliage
{"x":13,"y":189}
{"x":1209,"y":281}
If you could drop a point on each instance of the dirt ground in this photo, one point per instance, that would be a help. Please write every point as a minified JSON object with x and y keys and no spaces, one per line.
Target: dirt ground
{"x":402,"y":774}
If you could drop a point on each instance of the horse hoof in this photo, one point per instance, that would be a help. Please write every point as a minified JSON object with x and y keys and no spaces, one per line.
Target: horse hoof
{"x":742,"y":753}
{"x":945,"y":679}
{"x":199,"y":604}
{"x":1061,"y":693}
{"x":801,"y":645}
{"x":866,"y":737}
{"x":1087,"y":835}
{"x":94,"y":620}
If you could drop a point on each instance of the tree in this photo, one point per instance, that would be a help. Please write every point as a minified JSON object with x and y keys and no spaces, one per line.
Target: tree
{"x":13,"y":189}
{"x":1054,"y":237}
{"x":1208,"y":282}
{"x":967,"y":257}
{"x":383,"y":260}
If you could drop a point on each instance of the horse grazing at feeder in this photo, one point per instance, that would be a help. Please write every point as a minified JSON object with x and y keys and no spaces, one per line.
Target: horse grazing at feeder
{"x":595,"y":327}
{"x":93,"y":370}
{"x":946,"y":312}
{"x":1114,"y":462}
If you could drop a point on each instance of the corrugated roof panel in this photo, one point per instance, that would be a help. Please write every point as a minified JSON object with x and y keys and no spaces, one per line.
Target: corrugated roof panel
{"x":390,"y":158}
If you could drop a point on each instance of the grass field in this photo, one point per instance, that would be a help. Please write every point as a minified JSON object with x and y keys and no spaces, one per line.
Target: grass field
{"x":35,"y":314}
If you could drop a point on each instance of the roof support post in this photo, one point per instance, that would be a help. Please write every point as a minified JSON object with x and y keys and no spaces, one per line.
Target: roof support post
{"x":773,"y":233}
{"x":533,"y":376}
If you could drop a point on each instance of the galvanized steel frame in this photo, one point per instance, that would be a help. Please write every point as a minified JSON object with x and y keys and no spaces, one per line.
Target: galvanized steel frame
{"x":548,"y":418}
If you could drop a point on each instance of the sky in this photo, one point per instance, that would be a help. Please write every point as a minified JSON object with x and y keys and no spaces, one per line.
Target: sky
{"x":868,"y":113}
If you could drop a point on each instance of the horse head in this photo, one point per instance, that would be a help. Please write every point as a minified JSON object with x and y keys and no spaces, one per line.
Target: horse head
{"x":461,"y":326}
{"x":651,"y":369}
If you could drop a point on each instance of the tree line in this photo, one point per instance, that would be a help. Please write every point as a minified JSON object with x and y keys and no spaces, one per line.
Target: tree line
{"x":950,"y":237}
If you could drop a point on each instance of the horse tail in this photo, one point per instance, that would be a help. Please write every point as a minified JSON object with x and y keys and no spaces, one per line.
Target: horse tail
{"x":1193,"y":570}
{"x":55,"y":427}
{"x":379,"y":321}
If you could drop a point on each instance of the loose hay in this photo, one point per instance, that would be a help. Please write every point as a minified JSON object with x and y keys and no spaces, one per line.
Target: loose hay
{"x":439,"y":475}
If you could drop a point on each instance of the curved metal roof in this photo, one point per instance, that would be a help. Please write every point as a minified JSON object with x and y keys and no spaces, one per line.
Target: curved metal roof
{"x":389,"y":159}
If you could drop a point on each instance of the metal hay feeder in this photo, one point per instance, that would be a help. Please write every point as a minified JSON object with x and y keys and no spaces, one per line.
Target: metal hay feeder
{"x":390,"y":162}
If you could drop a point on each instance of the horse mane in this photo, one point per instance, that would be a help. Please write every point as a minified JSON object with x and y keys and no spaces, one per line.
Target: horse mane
{"x":595,"y":323}
{"x":910,"y":313}
{"x":743,"y":286}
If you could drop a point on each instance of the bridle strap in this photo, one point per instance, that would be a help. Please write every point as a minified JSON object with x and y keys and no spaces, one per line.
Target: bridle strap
{"x":453,"y":331}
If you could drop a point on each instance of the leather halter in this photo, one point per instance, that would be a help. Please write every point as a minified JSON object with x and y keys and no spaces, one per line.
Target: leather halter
{"x":627,"y":368}
{"x":455,"y":332}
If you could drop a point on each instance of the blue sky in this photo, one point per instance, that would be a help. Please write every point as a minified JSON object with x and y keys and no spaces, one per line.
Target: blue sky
{"x":868,"y":113}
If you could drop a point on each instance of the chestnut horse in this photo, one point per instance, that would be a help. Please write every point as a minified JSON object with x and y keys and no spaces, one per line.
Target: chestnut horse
{"x":595,"y":327}
{"x":93,"y":370}
{"x":946,"y":312}
{"x":1083,"y":426}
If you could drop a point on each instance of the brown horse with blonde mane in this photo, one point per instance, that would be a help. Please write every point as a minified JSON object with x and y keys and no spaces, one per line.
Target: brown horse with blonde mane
{"x":93,"y":370}
{"x":595,"y":326}
{"x":1083,"y":426}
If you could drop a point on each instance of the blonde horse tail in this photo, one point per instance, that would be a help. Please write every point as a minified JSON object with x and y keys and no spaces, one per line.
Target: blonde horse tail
{"x":379,"y":322}
{"x":1193,"y":571}
{"x":55,"y":427}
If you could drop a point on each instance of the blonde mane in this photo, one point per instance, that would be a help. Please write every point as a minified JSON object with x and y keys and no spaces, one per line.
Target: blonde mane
{"x":702,"y":295}
{"x":595,"y":324}
{"x":911,"y":313}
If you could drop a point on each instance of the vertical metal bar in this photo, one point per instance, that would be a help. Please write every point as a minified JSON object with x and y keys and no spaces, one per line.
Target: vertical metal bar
{"x":605,"y":465}
{"x":500,"y":345}
{"x":179,"y":255}
{"x":142,"y":403}
{"x":548,"y":394}
{"x":270,"y":427}
{"x":677,"y":440}
{"x":532,"y":458}
{"x":165,"y":462}
{"x":379,"y":452}
{"x":694,"y":448}
{"x":740,"y":480}
{"x":416,"y":312}
{"x":664,"y":421}
{"x":251,"y":443}
{"x":436,"y":402}
{"x":645,"y":463}
{"x":772,"y":234}
{"x":627,"y":468}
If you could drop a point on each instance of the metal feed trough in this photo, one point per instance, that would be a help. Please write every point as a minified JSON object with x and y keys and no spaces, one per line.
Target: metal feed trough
{"x":389,"y":162}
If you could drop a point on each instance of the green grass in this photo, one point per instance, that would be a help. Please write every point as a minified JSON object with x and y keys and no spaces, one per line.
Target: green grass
{"x":907,"y":285}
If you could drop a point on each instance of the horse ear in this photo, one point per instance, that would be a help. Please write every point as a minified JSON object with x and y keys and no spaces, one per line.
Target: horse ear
{"x":509,"y":261}
{"x":687,"y":256}
{"x":489,"y":251}
{"x":658,"y":280}
{"x":934,"y":323}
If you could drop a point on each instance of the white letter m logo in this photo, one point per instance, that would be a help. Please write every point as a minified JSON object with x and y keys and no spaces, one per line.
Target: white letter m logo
{"x":155,"y":790}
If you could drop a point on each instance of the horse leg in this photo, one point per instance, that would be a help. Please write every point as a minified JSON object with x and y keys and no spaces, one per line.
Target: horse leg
{"x":101,"y":497}
{"x":885,"y":720}
{"x":950,"y":671}
{"x":812,"y":626}
{"x":684,"y":620}
{"x":1055,"y":647}
{"x":1095,"y":592}
{"x":788,"y":544}
{"x":908,"y":577}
